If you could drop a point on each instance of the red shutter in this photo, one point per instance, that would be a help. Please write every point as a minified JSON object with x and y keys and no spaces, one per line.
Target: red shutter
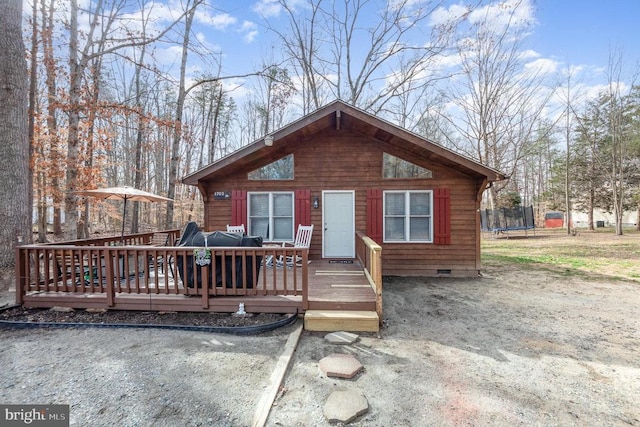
{"x":374,"y":215}
{"x":239,"y":207}
{"x":442,"y":216}
{"x":303,"y":207}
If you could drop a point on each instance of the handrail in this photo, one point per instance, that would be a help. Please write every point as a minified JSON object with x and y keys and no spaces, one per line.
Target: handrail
{"x":369,"y":253}
{"x":129,"y":239}
{"x":112,"y":270}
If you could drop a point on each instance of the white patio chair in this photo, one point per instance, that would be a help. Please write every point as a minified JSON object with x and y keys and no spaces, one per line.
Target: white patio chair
{"x":158,"y":239}
{"x":235,"y":229}
{"x":303,"y":240}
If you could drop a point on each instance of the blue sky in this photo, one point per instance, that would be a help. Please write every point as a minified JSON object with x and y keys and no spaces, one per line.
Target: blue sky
{"x":566,"y":33}
{"x":582,"y":32}
{"x":577,"y":33}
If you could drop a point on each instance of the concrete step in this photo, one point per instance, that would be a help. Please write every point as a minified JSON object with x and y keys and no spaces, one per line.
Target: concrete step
{"x":341,"y":320}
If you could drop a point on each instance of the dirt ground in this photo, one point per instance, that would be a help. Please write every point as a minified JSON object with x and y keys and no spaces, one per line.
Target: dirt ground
{"x":519,"y":346}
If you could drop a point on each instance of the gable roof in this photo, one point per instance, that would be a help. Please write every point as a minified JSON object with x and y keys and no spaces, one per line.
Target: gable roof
{"x":339,"y":115}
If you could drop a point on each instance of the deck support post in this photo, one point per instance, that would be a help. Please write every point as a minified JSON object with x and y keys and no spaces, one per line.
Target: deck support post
{"x":108,"y":265}
{"x":22,"y":267}
{"x":205,"y":285}
{"x":305,"y":279}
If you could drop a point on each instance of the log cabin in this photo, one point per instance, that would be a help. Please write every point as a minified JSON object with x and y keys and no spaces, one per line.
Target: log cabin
{"x":346,"y":172}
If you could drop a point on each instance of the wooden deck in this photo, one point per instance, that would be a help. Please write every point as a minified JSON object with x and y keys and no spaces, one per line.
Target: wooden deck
{"x":332,"y":286}
{"x":138,"y":275}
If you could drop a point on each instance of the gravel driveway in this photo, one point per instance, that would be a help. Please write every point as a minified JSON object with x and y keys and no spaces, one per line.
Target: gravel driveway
{"x":516,"y":347}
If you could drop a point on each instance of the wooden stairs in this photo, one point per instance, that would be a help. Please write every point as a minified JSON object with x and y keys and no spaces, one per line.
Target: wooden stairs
{"x":341,"y":320}
{"x":341,"y":298}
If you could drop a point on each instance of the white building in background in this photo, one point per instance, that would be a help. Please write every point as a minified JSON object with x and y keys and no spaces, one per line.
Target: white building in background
{"x":606,"y":219}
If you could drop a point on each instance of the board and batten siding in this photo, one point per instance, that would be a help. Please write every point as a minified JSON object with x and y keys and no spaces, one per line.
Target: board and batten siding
{"x":344,"y":160}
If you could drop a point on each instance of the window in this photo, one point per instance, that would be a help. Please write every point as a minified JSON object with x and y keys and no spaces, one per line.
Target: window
{"x":408,"y":216}
{"x":394,"y":167}
{"x":278,"y":170}
{"x":271,"y":216}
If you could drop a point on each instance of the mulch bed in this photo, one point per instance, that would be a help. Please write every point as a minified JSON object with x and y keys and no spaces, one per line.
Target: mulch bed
{"x":39,"y":315}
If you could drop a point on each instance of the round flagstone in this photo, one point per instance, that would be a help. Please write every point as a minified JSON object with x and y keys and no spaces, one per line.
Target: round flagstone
{"x":344,"y":406}
{"x":340,"y":365}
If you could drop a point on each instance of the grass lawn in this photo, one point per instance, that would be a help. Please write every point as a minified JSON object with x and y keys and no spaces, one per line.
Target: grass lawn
{"x":589,"y":252}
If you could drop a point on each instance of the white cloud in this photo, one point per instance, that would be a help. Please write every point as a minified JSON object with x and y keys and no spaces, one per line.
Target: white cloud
{"x":572,"y":70}
{"x":443,"y":15}
{"x":499,"y":15}
{"x":248,"y":26}
{"x":249,"y":31}
{"x":542,"y":66}
{"x":169,"y":55}
{"x":267,"y":8}
{"x":250,"y":36}
{"x":220,"y":21}
{"x":272,"y":8}
{"x":594,"y":91}
{"x":203,"y":39}
{"x":236,"y":87}
{"x":446,"y":61}
{"x":528,"y":54}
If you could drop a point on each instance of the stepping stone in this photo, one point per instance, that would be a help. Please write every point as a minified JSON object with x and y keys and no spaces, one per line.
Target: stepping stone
{"x":344,"y":406}
{"x":341,"y":337}
{"x":340,"y":365}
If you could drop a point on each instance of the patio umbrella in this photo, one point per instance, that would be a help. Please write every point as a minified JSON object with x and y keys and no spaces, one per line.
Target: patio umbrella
{"x":123,"y":193}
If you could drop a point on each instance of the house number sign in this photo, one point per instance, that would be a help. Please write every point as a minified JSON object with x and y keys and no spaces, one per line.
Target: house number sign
{"x":221,"y":195}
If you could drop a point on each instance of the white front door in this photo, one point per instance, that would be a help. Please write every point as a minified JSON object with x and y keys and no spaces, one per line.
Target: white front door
{"x":338,"y":235}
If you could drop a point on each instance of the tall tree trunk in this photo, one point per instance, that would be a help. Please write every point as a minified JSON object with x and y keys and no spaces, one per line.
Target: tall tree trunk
{"x":55,"y":157}
{"x":16,"y":207}
{"x":567,"y":176}
{"x":177,"y":133}
{"x":214,"y":126}
{"x":33,"y":87}
{"x":137,"y":178}
{"x":90,"y":149}
{"x":73,"y":152}
{"x":590,"y":207}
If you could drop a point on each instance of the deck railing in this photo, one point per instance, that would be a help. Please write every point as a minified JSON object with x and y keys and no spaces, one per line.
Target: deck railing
{"x":99,"y":266}
{"x":369,"y":254}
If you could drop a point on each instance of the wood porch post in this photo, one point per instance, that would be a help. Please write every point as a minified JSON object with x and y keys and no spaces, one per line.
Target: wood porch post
{"x":108,"y":265}
{"x":21,"y":274}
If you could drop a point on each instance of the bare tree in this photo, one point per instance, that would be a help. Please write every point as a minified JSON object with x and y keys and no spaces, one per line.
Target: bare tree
{"x":99,"y":40}
{"x":364,"y":56}
{"x":141,"y":127}
{"x":276,"y":92}
{"x":182,"y":93}
{"x":301,"y":45}
{"x":338,"y":50}
{"x":501,"y":101}
{"x":620,"y":150}
{"x":33,"y":96}
{"x":213,"y":109}
{"x":16,"y":207}
{"x":567,"y":175}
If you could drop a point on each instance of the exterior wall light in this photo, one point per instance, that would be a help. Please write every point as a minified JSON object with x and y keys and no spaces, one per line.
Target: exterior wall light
{"x":268,"y":140}
{"x":316,"y":202}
